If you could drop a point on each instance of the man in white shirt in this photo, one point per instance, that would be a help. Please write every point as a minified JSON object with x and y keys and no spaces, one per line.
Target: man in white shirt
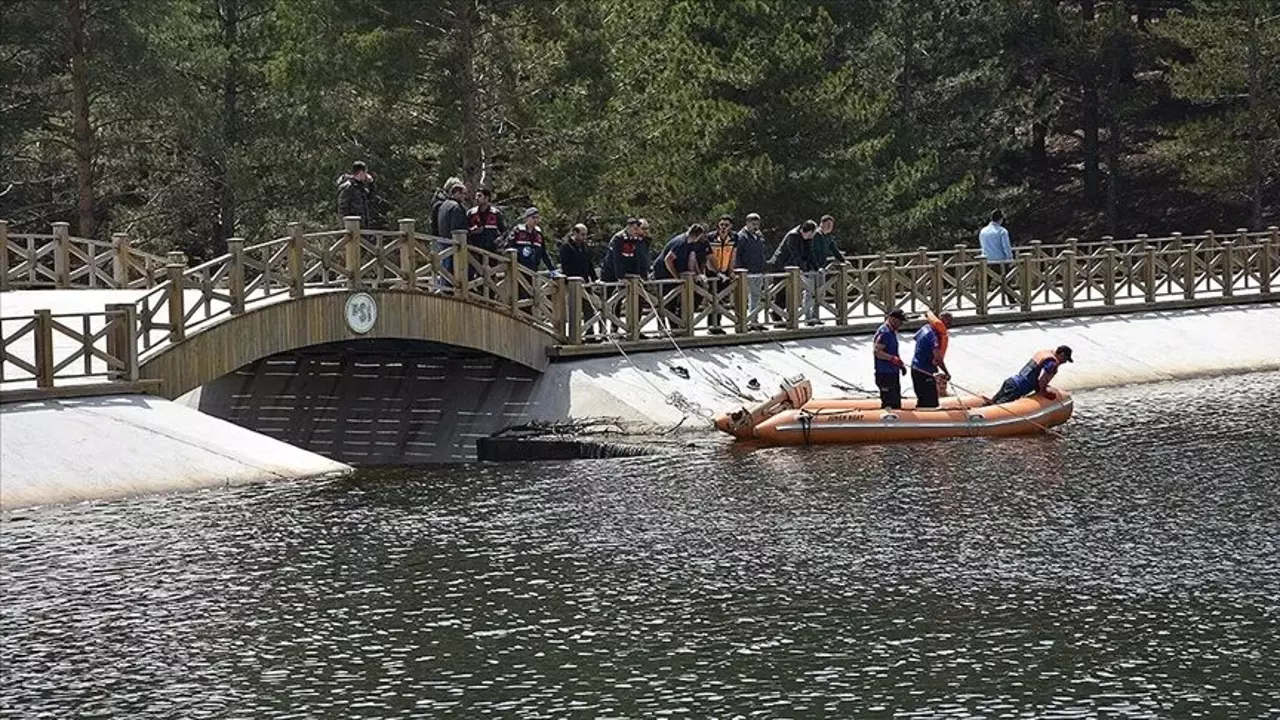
{"x":996,"y":248}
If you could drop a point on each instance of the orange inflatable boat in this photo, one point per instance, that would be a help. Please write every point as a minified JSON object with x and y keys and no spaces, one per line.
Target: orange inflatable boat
{"x":794,"y":417}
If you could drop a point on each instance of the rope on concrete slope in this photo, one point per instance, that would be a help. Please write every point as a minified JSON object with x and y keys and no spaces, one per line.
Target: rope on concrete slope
{"x":844,"y":384}
{"x":716,"y":380}
{"x":674,"y":399}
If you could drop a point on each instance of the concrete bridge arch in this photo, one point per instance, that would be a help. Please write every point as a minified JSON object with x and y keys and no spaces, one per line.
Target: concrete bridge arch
{"x":320,"y":318}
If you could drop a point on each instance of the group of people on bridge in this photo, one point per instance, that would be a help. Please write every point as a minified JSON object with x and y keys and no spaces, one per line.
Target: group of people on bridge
{"x":929,"y":374}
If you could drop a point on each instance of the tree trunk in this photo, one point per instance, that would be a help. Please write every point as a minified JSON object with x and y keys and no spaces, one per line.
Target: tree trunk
{"x":469,"y":149}
{"x":1089,"y":108}
{"x":230,"y":13}
{"x":82,"y":128}
{"x":1256,"y":149}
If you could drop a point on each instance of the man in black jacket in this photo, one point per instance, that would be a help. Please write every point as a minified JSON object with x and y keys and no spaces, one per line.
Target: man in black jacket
{"x":356,"y":196}
{"x":575,"y":261}
{"x":796,"y":250}
{"x":575,"y":256}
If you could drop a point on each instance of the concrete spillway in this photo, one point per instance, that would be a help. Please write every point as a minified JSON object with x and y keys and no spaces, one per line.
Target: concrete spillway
{"x":389,"y":402}
{"x":60,"y":451}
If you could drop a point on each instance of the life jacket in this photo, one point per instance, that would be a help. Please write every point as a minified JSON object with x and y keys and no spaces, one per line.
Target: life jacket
{"x":483,"y":225}
{"x":1030,"y":373}
{"x":528,"y":245}
{"x":721,"y":254}
{"x":940,"y":329}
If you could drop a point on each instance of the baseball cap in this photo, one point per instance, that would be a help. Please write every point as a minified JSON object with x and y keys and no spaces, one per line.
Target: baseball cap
{"x":897,"y":313}
{"x":530,"y":213}
{"x":1065,"y":352}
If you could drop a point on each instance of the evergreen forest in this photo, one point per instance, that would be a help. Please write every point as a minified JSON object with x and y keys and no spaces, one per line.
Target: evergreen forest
{"x":185,"y":122}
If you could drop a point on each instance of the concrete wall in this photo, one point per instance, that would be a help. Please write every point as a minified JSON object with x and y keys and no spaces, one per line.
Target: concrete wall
{"x":1115,"y":350}
{"x":61,"y":451}
{"x":371,"y":403}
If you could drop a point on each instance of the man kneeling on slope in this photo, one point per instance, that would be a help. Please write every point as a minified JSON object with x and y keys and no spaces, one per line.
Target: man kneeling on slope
{"x":1035,"y":376}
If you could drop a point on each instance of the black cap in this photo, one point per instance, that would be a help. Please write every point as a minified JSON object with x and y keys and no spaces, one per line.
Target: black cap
{"x":633,"y":221}
{"x":1065,"y":352}
{"x":897,"y":313}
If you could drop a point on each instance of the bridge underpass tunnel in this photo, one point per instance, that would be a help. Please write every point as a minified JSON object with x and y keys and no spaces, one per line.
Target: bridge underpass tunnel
{"x":377,"y":402}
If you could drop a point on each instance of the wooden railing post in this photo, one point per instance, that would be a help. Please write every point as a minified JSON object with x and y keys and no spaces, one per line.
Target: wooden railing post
{"x":688,"y":296}
{"x":62,"y":254}
{"x":1149,"y":275}
{"x":574,"y":310}
{"x":633,"y":308}
{"x":1142,"y":241}
{"x":842,"y":293}
{"x":889,"y":285}
{"x":795,"y":297}
{"x":936,"y":280}
{"x":1069,"y":278}
{"x":120,"y":259}
{"x":1024,"y":281}
{"x":235,"y":274}
{"x":297,"y":270}
{"x":1228,"y":267}
{"x":4,"y":255}
{"x":461,"y":264}
{"x":43,"y":334}
{"x":175,"y":266}
{"x":741,"y":299}
{"x":122,"y":339}
{"x":513,"y":276}
{"x":1175,"y":242}
{"x":351,"y":224}
{"x":1267,"y":245}
{"x":982,"y":289}
{"x":1037,"y":249}
{"x":1209,"y":240}
{"x":961,"y":254}
{"x":409,"y":253}
{"x":559,"y":308}
{"x":1109,"y":279}
{"x":1189,"y":281}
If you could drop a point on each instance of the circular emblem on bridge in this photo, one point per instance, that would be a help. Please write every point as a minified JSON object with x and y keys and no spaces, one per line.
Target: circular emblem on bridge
{"x":362,"y":312}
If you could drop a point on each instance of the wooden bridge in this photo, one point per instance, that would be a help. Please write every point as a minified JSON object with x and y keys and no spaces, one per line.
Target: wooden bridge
{"x":163,"y":327}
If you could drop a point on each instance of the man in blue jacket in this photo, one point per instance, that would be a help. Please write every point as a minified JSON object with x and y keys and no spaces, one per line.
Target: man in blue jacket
{"x":996,"y":248}
{"x":888,"y":365}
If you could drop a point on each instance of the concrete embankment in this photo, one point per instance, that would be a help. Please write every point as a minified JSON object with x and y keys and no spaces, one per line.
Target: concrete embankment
{"x":1109,"y":351}
{"x":59,"y":451}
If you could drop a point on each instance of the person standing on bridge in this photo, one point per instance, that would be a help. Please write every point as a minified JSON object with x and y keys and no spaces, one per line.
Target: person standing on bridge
{"x":530,"y":244}
{"x":356,"y":196}
{"x":998,"y":250}
{"x":448,"y":213}
{"x":750,"y":256}
{"x":888,"y":365}
{"x":1035,"y":376}
{"x":485,"y":226}
{"x":928,"y":360}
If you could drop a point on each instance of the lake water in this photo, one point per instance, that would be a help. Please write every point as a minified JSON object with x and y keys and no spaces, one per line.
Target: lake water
{"x":1129,"y":569}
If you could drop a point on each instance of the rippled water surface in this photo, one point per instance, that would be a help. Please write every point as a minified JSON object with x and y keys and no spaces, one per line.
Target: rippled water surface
{"x":1129,"y":569}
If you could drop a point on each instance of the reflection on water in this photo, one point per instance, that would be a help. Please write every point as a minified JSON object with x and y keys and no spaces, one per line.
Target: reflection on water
{"x":1131,"y":568}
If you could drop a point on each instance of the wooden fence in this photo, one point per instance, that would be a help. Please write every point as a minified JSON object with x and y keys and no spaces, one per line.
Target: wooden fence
{"x":175,"y":301}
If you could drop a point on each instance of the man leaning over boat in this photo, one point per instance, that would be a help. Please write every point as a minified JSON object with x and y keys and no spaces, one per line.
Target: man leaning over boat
{"x":1035,"y":376}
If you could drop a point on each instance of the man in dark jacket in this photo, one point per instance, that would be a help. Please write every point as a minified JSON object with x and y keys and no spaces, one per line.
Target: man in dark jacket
{"x":796,"y":250}
{"x":485,"y":225}
{"x":749,"y":256}
{"x":575,"y":256}
{"x":628,"y":254}
{"x":448,"y":213}
{"x":684,"y":253}
{"x":356,"y":196}
{"x":575,"y":261}
{"x":530,"y":244}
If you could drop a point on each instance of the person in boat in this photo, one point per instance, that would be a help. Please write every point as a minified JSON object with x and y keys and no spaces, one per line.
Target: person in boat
{"x":1035,"y":376}
{"x":888,"y":364}
{"x":929,"y":359}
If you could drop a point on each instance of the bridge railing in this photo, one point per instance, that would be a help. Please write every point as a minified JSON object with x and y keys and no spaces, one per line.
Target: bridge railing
{"x":178,"y":300}
{"x":61,"y":260}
